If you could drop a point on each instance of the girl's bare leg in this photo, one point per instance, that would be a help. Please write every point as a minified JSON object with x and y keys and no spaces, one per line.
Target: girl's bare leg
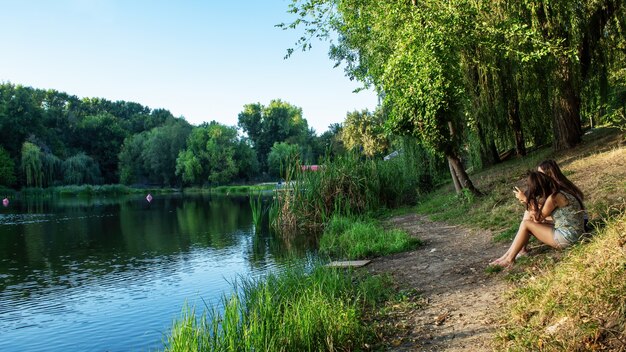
{"x":542,"y":232}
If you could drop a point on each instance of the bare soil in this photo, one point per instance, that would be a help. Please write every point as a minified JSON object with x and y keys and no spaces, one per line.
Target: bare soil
{"x":458,"y":297}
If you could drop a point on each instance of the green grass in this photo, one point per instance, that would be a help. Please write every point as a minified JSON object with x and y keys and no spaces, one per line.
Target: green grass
{"x":578,"y":304}
{"x":352,"y":238}
{"x":296,"y":310}
{"x":243,"y":189}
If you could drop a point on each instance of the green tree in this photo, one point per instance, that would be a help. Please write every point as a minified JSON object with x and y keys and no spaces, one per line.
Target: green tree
{"x":131,"y":165}
{"x":161,"y":148}
{"x":246,"y":160}
{"x":7,"y":169}
{"x":280,"y":157}
{"x":32,"y":165}
{"x":81,"y":169}
{"x":277,"y":122}
{"x":209,"y":156}
{"x":410,"y":51}
{"x":365,"y":133}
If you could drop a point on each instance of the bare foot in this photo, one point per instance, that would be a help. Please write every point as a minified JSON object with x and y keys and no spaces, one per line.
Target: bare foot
{"x":522,"y":253}
{"x":503,"y":262}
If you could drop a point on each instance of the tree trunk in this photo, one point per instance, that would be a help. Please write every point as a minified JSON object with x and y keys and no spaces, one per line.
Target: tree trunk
{"x":516,"y":125}
{"x":455,"y":180}
{"x":487,"y":155}
{"x":511,"y":101}
{"x":566,"y":117}
{"x":462,"y":176}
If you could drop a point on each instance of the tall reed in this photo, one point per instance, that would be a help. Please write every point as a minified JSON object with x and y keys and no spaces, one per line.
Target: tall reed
{"x":352,"y":185}
{"x":256,"y":205}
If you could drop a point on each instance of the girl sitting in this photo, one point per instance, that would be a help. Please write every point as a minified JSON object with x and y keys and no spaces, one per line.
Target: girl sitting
{"x":544,"y":198}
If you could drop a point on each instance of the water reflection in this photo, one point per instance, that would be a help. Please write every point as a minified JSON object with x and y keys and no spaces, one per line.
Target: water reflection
{"x":68,"y":265}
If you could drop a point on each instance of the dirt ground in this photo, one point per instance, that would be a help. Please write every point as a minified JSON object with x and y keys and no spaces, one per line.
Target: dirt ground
{"x":457,"y":296}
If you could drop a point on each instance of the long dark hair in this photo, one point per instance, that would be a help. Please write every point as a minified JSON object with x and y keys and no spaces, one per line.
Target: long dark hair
{"x":552,"y":169}
{"x":539,"y":187}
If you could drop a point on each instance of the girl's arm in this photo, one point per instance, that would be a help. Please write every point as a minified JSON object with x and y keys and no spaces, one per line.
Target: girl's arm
{"x":552,"y":202}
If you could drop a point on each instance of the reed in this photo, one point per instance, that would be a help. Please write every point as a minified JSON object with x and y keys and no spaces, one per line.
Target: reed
{"x":296,"y":310}
{"x":350,"y":185}
{"x":256,"y":206}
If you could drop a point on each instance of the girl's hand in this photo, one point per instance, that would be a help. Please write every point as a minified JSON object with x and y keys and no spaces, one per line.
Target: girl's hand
{"x":519,"y":195}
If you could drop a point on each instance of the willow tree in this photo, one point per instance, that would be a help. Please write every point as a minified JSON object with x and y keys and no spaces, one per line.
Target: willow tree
{"x":410,"y":52}
{"x":575,"y":30}
{"x":32,"y":165}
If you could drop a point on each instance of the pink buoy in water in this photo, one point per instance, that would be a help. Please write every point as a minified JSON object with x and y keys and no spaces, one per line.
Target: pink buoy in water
{"x":149,"y":197}
{"x":5,"y":202}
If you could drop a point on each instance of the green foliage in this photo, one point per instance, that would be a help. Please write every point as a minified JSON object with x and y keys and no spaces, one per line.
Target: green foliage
{"x":279,"y":157}
{"x":32,"y":164}
{"x":277,"y":122}
{"x":351,"y":238}
{"x":62,"y":125}
{"x":7,"y":169}
{"x":150,"y":156}
{"x":209,"y":156}
{"x":80,"y":169}
{"x":296,"y":310}
{"x":364,"y":132}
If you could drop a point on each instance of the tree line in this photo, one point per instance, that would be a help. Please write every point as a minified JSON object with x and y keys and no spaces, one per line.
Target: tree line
{"x":470,"y":79}
{"x":50,"y":138}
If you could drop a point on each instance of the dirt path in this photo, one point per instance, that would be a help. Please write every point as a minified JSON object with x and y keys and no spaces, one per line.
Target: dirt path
{"x":448,"y":271}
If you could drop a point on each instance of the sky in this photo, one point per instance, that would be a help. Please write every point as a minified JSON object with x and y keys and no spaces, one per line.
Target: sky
{"x":203,"y":60}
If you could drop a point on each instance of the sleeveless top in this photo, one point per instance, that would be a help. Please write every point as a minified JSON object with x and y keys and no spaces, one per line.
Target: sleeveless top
{"x":569,"y":220}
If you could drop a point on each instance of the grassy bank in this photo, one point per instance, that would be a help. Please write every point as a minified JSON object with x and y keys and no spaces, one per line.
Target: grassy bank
{"x":562,"y":300}
{"x":91,"y":190}
{"x":596,"y":166}
{"x":296,"y":310}
{"x":353,"y":238}
{"x":233,"y":189}
{"x":579,"y":305}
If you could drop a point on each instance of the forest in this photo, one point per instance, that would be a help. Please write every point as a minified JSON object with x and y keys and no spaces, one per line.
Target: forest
{"x":50,"y":138}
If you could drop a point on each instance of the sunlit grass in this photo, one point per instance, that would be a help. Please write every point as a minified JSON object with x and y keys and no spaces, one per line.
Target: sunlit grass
{"x":580,"y":305}
{"x":352,"y":238}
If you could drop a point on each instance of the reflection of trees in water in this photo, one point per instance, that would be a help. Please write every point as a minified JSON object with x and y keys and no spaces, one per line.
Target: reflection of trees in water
{"x":102,"y":242}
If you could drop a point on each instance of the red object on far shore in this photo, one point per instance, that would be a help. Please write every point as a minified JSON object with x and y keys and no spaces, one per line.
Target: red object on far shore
{"x":5,"y":202}
{"x":310,"y":167}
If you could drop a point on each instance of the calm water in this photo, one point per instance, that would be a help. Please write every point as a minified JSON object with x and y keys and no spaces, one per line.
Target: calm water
{"x":112,"y":274}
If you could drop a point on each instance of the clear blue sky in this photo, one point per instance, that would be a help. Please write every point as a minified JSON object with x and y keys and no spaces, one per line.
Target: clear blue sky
{"x":202,"y":60}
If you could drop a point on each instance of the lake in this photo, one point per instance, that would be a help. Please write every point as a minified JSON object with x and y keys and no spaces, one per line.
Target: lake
{"x":112,"y":274}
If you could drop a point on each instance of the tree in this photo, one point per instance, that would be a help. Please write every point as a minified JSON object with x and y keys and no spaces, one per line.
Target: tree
{"x":81,"y":169}
{"x":7,"y":169}
{"x":280,"y":157}
{"x":365,"y":132}
{"x":32,"y":165}
{"x":410,"y":51}
{"x":101,"y":136}
{"x":277,"y":122}
{"x":209,"y":156}
{"x":161,"y":148}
